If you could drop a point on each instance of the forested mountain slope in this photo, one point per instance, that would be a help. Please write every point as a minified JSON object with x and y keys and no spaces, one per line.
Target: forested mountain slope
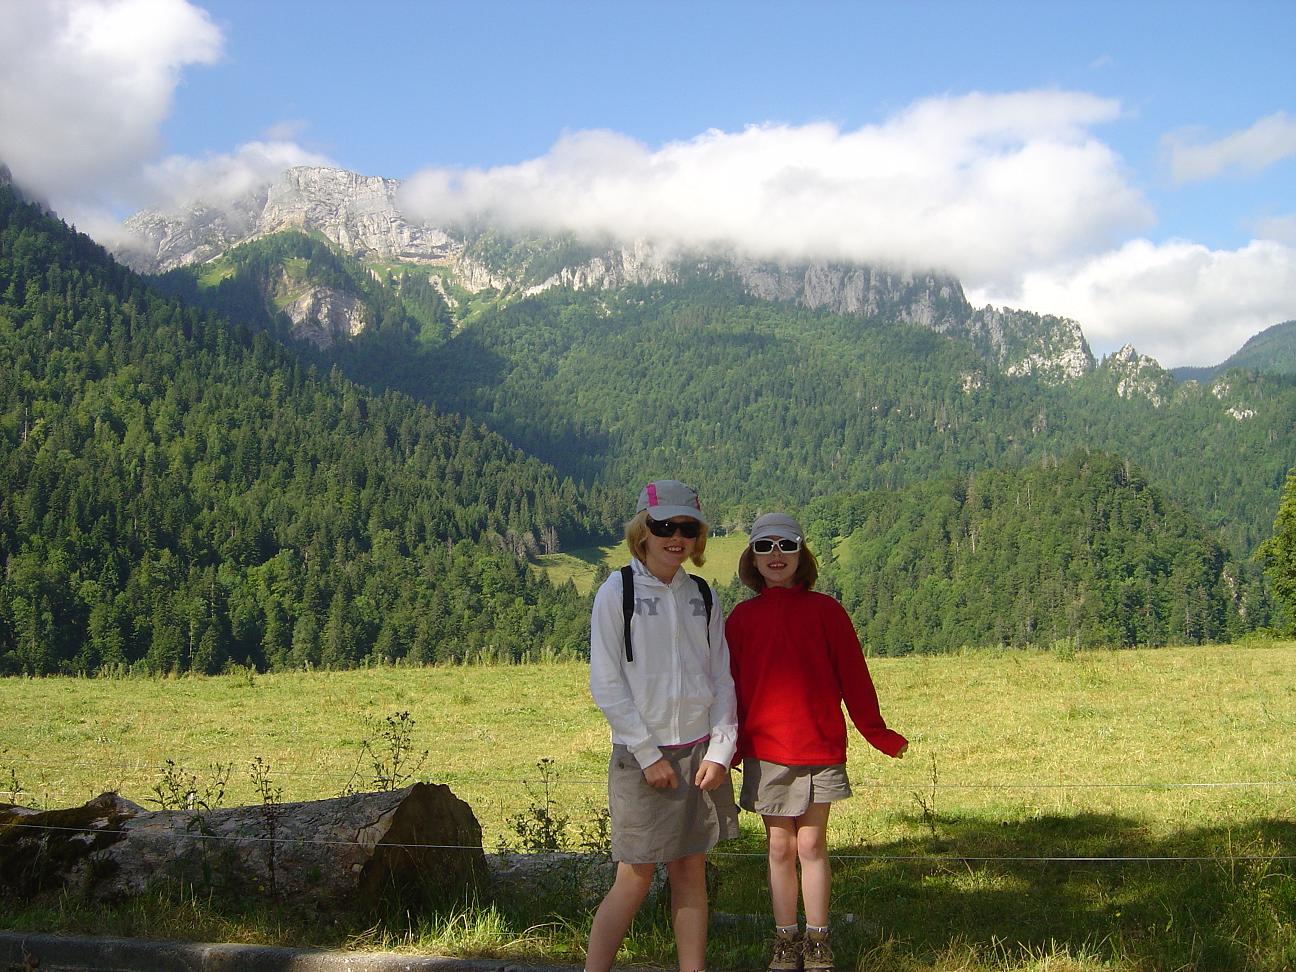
{"x":768,"y":405}
{"x":177,"y":493}
{"x":1273,"y":350}
{"x":761,"y":402}
{"x":1082,"y":552}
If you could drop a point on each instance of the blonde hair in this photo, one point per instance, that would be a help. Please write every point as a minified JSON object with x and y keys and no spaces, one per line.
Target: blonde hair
{"x":636,"y":538}
{"x":807,"y":571}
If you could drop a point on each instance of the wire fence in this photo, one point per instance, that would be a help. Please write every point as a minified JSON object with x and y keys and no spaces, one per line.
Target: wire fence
{"x":170,"y":779}
{"x":107,"y":769}
{"x":177,"y":837}
{"x":931,"y":786}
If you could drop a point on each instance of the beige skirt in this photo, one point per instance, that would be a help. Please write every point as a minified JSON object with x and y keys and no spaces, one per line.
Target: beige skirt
{"x":651,"y":826}
{"x":775,"y":790}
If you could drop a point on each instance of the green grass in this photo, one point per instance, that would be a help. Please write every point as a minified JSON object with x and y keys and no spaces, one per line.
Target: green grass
{"x":214,"y":272}
{"x":942,"y":858}
{"x":583,"y":565}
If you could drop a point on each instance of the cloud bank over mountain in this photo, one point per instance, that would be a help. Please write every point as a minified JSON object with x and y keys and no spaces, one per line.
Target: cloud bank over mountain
{"x":978,"y":185}
{"x":1013,"y":193}
{"x":1178,"y":301}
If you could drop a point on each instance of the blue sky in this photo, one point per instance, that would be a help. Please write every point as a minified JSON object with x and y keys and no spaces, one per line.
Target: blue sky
{"x":1131,"y":165}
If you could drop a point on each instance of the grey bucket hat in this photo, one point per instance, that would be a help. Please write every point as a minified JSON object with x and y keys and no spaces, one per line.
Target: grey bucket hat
{"x":776,"y":525}
{"x":664,"y":498}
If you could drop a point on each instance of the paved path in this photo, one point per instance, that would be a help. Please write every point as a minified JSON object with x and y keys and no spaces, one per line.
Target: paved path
{"x":21,"y":952}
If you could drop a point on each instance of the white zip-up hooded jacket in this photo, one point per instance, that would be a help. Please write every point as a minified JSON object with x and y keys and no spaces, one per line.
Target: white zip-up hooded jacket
{"x":678,"y":689}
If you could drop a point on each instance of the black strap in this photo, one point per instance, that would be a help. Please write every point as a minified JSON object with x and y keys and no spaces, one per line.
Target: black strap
{"x":628,"y":604}
{"x":705,"y":590}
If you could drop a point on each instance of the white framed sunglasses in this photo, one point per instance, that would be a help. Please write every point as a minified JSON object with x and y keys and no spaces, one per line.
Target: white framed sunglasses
{"x":784,"y":546}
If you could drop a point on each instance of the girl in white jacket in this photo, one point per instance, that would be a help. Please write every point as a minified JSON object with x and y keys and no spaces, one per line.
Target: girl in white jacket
{"x":669,"y":697}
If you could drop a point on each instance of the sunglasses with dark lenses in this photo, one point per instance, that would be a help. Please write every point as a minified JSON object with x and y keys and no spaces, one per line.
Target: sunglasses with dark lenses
{"x":767,"y":546}
{"x":688,"y":529}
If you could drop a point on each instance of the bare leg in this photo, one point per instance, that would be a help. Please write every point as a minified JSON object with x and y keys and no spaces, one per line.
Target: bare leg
{"x":612,"y":920}
{"x":781,"y":837}
{"x":816,"y":871}
{"x":689,"y":910}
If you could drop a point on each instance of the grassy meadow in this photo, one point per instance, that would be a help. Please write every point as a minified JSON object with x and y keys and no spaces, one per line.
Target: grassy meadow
{"x":1109,"y":810}
{"x":583,"y":565}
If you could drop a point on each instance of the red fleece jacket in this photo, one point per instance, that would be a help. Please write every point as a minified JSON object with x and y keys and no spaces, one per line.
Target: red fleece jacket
{"x":795,"y":659}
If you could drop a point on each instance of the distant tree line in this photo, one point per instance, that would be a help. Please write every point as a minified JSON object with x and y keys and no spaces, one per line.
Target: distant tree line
{"x":1080,"y":553}
{"x":1278,"y":554}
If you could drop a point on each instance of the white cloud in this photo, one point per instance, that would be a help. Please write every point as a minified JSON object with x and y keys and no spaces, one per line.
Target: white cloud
{"x":1281,"y":229}
{"x":980,"y":185}
{"x":1180,"y":302}
{"x":1269,"y":140}
{"x":216,"y":181}
{"x":1014,"y":193}
{"x":220,"y":180}
{"x":84,"y":85}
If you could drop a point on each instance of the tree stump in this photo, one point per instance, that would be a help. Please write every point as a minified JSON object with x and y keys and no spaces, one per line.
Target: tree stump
{"x":348,"y":852}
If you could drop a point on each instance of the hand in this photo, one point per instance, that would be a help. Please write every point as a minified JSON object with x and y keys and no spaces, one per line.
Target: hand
{"x":903,"y":750}
{"x":710,"y":775}
{"x":661,"y":775}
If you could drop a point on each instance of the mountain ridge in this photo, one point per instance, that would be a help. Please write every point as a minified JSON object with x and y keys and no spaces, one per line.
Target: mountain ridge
{"x":1272,"y":350}
{"x":363,"y":217}
{"x":181,"y":493}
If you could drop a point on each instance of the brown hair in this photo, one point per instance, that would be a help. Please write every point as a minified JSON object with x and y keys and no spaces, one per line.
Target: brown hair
{"x":807,"y":571}
{"x":636,"y":538}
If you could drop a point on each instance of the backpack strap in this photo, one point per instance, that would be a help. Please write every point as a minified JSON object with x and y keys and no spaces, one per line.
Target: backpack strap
{"x":627,"y":605}
{"x":705,"y":590}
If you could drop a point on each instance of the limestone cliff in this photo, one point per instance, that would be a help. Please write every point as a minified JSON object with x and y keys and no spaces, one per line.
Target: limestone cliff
{"x":357,"y":213}
{"x":361,"y":215}
{"x":1137,"y":375}
{"x":323,"y":316}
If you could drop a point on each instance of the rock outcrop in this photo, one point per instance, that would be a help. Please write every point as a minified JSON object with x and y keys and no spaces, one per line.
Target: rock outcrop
{"x":1137,"y":375}
{"x":1051,"y":348}
{"x":323,"y":316}
{"x":358,"y":213}
{"x":362,"y":216}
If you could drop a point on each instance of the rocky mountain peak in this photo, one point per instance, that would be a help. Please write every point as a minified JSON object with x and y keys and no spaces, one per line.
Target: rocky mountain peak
{"x":1139,"y":375}
{"x":361,"y":215}
{"x":1048,"y":347}
{"x":358,"y":213}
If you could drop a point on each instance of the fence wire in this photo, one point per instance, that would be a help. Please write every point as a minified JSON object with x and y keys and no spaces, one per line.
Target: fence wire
{"x":448,"y":778}
{"x":915,"y":858}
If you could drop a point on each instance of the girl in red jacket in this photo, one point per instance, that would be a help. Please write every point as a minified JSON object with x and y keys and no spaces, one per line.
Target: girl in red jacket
{"x":795,"y":659}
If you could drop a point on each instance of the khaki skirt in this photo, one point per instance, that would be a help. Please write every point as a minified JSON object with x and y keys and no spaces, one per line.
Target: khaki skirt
{"x":651,"y":826}
{"x":775,"y":790}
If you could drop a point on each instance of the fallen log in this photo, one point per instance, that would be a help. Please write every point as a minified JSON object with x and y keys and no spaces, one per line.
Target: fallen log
{"x":349,"y":852}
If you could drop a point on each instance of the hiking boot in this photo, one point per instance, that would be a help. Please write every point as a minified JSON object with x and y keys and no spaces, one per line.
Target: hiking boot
{"x":787,"y":953}
{"x":817,"y":952}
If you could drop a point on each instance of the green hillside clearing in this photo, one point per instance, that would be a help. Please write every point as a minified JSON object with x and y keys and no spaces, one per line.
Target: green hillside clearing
{"x":582,"y":566}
